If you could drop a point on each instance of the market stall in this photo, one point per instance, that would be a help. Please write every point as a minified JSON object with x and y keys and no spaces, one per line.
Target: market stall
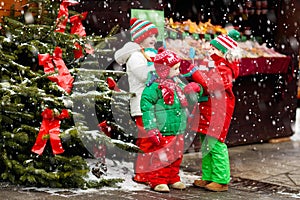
{"x":265,"y":90}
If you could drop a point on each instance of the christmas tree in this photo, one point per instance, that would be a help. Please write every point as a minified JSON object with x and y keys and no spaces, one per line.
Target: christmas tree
{"x":56,"y":101}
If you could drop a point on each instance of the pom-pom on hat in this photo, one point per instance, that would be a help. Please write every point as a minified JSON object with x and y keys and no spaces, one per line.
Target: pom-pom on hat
{"x":141,"y":29}
{"x":163,"y":61}
{"x":226,"y":42}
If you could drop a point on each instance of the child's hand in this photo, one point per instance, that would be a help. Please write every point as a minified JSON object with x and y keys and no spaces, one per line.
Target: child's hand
{"x":192,"y":87}
{"x":155,"y":136}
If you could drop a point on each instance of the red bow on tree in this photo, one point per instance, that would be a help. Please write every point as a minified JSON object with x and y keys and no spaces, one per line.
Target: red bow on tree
{"x":112,"y":84}
{"x":46,"y":61}
{"x":78,"y":29}
{"x":63,"y":14}
{"x":103,"y":126}
{"x":50,"y":127}
{"x":99,"y":151}
{"x":64,"y":78}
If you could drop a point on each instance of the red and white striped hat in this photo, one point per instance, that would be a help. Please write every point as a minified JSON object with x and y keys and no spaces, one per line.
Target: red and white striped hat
{"x":226,"y":42}
{"x":141,"y":29}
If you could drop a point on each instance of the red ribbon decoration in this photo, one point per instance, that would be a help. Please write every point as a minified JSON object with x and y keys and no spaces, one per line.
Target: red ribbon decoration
{"x":78,"y":29}
{"x":99,"y":151}
{"x":50,"y":125}
{"x":89,"y":49}
{"x":78,"y":50}
{"x":63,"y":14}
{"x":103,"y":126}
{"x":64,"y":78}
{"x":112,"y":84}
{"x":45,"y":60}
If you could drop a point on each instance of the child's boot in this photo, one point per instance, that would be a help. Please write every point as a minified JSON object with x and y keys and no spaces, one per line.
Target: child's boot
{"x":200,"y":183}
{"x":216,"y":187}
{"x":161,"y":188}
{"x":178,"y":185}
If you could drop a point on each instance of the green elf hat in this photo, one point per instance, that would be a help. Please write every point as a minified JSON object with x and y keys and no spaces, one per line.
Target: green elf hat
{"x":226,"y":42}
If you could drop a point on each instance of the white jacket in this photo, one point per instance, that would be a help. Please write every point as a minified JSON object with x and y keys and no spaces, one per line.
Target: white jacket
{"x":137,"y":69}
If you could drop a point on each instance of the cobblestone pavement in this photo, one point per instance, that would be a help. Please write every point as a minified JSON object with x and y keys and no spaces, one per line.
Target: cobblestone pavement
{"x":235,"y":192}
{"x":259,"y":171}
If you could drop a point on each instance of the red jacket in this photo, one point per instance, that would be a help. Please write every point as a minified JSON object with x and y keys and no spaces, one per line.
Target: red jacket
{"x":214,"y":116}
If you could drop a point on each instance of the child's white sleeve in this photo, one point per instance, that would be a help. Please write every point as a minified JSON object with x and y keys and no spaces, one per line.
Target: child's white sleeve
{"x":139,"y":67}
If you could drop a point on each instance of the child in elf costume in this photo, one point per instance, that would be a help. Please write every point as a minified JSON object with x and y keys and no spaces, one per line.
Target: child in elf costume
{"x":164,"y":105}
{"x":136,"y":55}
{"x":214,"y":117}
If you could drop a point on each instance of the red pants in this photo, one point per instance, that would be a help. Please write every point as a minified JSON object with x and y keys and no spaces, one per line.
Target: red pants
{"x":165,"y":161}
{"x":143,"y":159}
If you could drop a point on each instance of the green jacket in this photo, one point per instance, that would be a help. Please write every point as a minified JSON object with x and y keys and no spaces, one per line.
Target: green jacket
{"x":169,"y":119}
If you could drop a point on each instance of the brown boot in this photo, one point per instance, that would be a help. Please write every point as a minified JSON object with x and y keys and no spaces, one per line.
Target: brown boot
{"x":200,"y":183}
{"x":216,"y":187}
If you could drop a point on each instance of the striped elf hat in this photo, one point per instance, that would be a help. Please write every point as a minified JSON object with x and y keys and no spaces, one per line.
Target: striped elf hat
{"x":226,"y":42}
{"x":141,"y":29}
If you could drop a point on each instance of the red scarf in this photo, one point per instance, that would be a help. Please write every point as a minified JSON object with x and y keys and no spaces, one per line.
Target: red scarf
{"x":167,"y":87}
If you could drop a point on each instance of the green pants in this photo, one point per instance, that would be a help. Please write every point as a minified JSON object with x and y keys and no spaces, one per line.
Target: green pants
{"x":215,"y":160}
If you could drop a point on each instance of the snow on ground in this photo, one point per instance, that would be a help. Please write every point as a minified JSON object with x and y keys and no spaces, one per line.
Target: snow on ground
{"x":124,"y":170}
{"x":115,"y":169}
